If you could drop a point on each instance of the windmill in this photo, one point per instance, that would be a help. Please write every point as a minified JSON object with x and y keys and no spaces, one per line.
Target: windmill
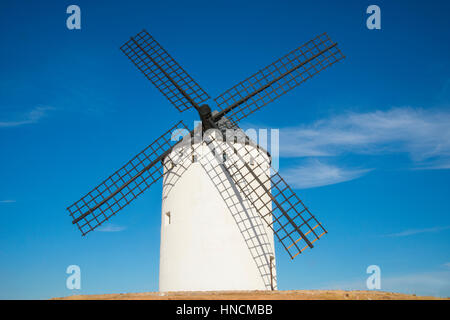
{"x":222,"y":204}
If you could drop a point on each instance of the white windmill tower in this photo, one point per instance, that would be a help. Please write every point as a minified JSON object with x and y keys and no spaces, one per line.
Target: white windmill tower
{"x":212,"y":238}
{"x":222,"y":203}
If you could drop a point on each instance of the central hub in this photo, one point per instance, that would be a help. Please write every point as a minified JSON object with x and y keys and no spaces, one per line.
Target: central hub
{"x":205,"y":111}
{"x":205,"y":116}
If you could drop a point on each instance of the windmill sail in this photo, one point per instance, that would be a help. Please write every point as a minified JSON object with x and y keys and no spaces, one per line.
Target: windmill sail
{"x":292,"y":222}
{"x":278,"y":78}
{"x":164,"y":72}
{"x":123,"y":186}
{"x":267,"y":192}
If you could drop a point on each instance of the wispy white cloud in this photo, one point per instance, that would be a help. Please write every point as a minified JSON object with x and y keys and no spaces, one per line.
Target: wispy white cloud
{"x":7,"y":201}
{"x":110,"y":228}
{"x":447,"y":264}
{"x":417,"y":231}
{"x":31,"y":116}
{"x":316,"y":173}
{"x":423,"y":134}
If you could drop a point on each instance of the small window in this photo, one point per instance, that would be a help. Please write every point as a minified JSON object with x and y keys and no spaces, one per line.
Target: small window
{"x":167,"y":218}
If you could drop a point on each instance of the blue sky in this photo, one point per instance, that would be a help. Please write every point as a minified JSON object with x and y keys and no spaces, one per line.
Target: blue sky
{"x":366,"y":143}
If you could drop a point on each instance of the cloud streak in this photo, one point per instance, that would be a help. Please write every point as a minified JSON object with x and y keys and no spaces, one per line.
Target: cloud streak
{"x":423,"y":134}
{"x":316,"y":173}
{"x":33,"y":116}
{"x":411,"y":232}
{"x":7,"y":201}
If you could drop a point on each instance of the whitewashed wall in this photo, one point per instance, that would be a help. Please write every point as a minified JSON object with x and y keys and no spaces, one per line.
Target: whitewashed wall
{"x":214,"y":239}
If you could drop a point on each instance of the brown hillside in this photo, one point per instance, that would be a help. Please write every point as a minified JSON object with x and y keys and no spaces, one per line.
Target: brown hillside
{"x":255,"y":295}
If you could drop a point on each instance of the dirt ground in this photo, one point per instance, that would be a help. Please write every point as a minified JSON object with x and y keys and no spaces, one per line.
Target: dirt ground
{"x":255,"y":295}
